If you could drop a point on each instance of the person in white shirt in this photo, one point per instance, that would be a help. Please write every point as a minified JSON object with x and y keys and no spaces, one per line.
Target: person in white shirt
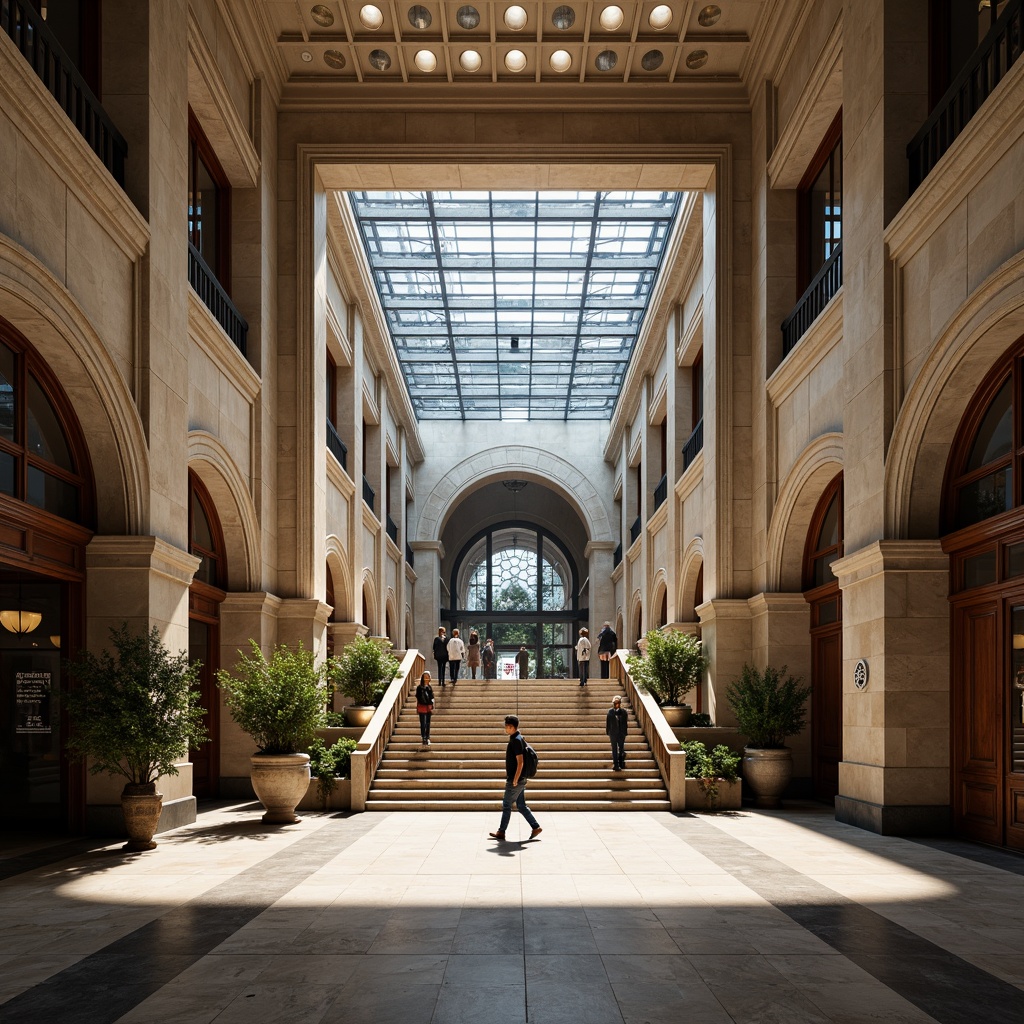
{"x":456,"y":652}
{"x":583,"y":655}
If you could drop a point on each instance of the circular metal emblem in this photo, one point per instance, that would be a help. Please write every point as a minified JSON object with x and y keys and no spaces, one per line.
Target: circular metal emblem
{"x":860,"y":674}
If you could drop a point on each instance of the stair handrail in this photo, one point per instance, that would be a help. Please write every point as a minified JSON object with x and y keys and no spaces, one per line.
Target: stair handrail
{"x":370,"y":749}
{"x":665,"y":747}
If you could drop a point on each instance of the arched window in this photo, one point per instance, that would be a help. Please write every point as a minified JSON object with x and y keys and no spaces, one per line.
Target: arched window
{"x":825,"y":537}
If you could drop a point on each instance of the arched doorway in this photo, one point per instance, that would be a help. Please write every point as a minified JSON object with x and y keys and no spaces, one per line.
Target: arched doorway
{"x":983,"y":525}
{"x":516,"y":583}
{"x":47,"y":509}
{"x":205,"y":595}
{"x":821,"y":588}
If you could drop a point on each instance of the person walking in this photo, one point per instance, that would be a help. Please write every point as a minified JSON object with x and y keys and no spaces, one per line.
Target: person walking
{"x":441,"y":653}
{"x":515,"y":782}
{"x":583,"y":654}
{"x":616,"y":724}
{"x":607,"y":645}
{"x":523,"y":662}
{"x":456,"y":652}
{"x":488,"y":659}
{"x":473,"y":652}
{"x":425,"y":707}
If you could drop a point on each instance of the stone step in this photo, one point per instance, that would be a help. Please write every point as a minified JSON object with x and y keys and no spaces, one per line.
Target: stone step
{"x":496,"y":772}
{"x":583,"y":803}
{"x":606,"y":782}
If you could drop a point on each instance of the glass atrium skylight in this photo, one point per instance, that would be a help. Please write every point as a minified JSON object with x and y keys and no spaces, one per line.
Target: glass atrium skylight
{"x":514,"y":305}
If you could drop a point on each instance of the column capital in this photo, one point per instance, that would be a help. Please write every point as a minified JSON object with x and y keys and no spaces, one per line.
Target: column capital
{"x":888,"y":556}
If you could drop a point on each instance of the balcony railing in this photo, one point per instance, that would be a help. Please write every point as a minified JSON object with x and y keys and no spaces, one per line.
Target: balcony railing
{"x":634,"y":530}
{"x":408,"y":554}
{"x":661,"y":492}
{"x":336,"y":446}
{"x":987,"y":66}
{"x":55,"y":69}
{"x":369,"y":494}
{"x":825,"y":284}
{"x":617,"y":557}
{"x":392,"y":527}
{"x":694,"y":444}
{"x":205,"y":284}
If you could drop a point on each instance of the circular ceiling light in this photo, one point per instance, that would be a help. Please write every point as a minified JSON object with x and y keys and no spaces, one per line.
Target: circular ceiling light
{"x":660,"y":17}
{"x":334,"y":59}
{"x":371,"y":17}
{"x":563,"y":17}
{"x":468,"y":17}
{"x":419,"y":16}
{"x":322,"y":15}
{"x":709,"y":16}
{"x":560,"y":61}
{"x":611,"y":18}
{"x":606,"y":60}
{"x":515,"y":60}
{"x":470,"y":60}
{"x":652,"y":60}
{"x":515,"y":18}
{"x":379,"y":60}
{"x":425,"y":60}
{"x":696,"y":59}
{"x":306,"y":56}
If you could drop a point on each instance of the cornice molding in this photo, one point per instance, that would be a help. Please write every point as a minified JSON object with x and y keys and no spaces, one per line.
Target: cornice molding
{"x":890,"y":556}
{"x":822,"y":336}
{"x":204,"y":330}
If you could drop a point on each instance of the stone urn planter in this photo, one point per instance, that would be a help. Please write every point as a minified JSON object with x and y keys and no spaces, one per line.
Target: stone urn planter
{"x":359,"y":715}
{"x":141,"y":805}
{"x":677,"y":715}
{"x":767,"y":771}
{"x":280,"y":782}
{"x":713,"y":795}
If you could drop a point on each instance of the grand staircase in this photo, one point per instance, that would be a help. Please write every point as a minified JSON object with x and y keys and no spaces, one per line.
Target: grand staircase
{"x":464,"y":767}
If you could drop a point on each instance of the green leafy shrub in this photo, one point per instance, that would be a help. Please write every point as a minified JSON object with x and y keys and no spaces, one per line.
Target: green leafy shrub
{"x":134,"y":712}
{"x":279,"y":702}
{"x":328,"y":764}
{"x":709,"y":769}
{"x":673,"y":666}
{"x":701,"y":720}
{"x":769,"y":705}
{"x":334,"y":719}
{"x":365,"y":670}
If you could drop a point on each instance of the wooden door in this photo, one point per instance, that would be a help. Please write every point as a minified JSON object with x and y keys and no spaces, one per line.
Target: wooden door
{"x":826,"y":709}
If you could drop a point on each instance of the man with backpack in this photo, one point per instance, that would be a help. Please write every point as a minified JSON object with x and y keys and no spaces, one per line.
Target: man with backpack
{"x":520,"y":765}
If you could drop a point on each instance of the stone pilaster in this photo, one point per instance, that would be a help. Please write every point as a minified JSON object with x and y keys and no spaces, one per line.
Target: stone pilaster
{"x":601,"y":593}
{"x":725,"y":626}
{"x":428,"y":554}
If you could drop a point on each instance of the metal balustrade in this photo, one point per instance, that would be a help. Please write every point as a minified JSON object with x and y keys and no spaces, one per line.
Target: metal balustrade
{"x":369,"y":494}
{"x":661,"y":492}
{"x":634,"y":530}
{"x":986,"y":68}
{"x":392,"y":527}
{"x":54,"y":68}
{"x":205,"y":284}
{"x":336,"y":446}
{"x":694,"y":444}
{"x":617,"y":557}
{"x":826,"y":283}
{"x":408,"y":554}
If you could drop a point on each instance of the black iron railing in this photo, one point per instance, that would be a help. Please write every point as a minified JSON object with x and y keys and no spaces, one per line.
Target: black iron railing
{"x":694,"y":444}
{"x":369,"y":494}
{"x":336,"y":446}
{"x":392,"y":527}
{"x":408,"y":554}
{"x":617,"y":557}
{"x":55,"y":69}
{"x":826,"y":283}
{"x":987,"y":66}
{"x":661,"y":492}
{"x":634,"y":530}
{"x":205,"y":284}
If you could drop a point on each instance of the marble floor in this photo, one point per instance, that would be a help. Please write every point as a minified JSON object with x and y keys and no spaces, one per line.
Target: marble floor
{"x":410,"y":918}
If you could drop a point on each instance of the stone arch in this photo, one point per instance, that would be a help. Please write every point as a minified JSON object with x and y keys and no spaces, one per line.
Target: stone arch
{"x":211,"y":462}
{"x":527,"y":463}
{"x":635,"y":615}
{"x":370,"y":610}
{"x":987,"y":324}
{"x":39,"y":306}
{"x":391,"y":622}
{"x":692,"y":563}
{"x":410,"y":639}
{"x":659,"y":590}
{"x":798,"y":496}
{"x":619,"y":625}
{"x":338,"y":564}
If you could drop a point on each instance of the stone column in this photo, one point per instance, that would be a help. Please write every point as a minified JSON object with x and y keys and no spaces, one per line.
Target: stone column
{"x":599,"y":555}
{"x":427,"y":600}
{"x":725,"y":627}
{"x":894,"y":777}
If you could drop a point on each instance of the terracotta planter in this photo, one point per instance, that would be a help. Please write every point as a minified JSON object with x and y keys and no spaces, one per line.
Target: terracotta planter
{"x":141,"y":805}
{"x":767,"y":773}
{"x":677,"y":714}
{"x":728,"y":797}
{"x":280,"y":781}
{"x":359,"y":714}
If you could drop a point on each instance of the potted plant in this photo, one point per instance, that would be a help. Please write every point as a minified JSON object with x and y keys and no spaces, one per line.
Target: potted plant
{"x":134,"y":713}
{"x":769,"y":706}
{"x":279,"y":702}
{"x":670,"y":669}
{"x":362,"y":673}
{"x":708,"y":773}
{"x":329,"y":764}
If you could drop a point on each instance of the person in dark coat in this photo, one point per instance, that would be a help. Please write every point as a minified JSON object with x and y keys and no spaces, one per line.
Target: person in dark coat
{"x":523,"y":662}
{"x":616,"y":724}
{"x":425,"y":706}
{"x":441,"y":653}
{"x":607,"y":645}
{"x":488,"y":659}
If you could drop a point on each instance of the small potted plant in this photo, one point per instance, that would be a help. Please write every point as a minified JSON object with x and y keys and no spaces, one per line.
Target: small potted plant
{"x":279,"y":702}
{"x":134,"y":713}
{"x":329,"y":765}
{"x":769,"y":706}
{"x":672,"y":666}
{"x":712,"y":778}
{"x":362,"y":673}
